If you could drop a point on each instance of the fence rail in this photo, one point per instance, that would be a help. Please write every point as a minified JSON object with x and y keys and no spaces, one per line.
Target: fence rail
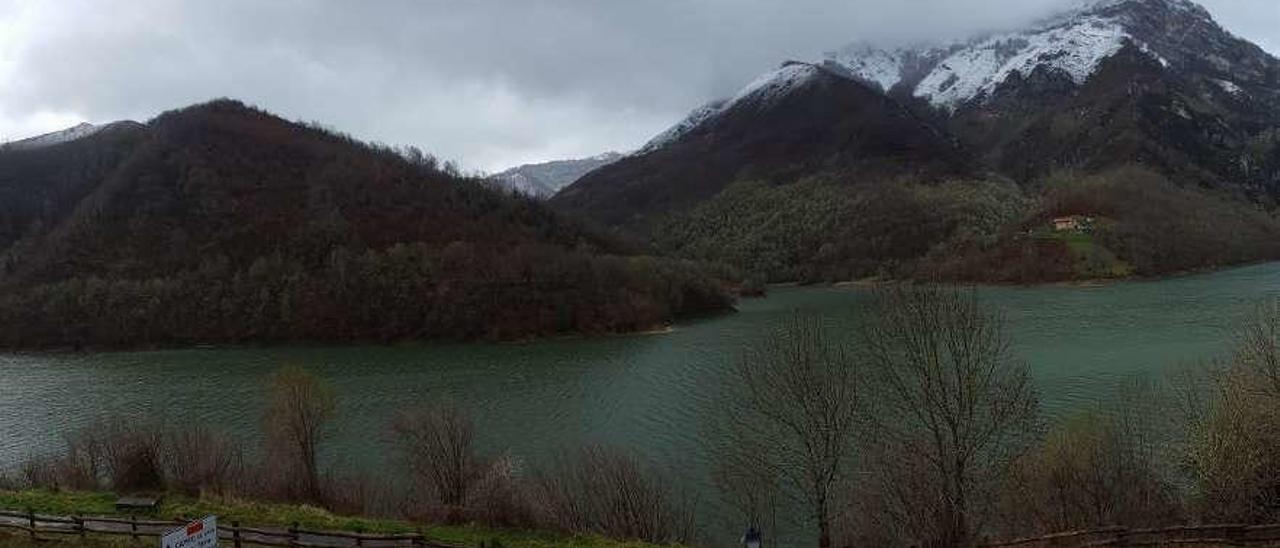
{"x":246,"y":535}
{"x":1221,"y":534}
{"x":238,"y":535}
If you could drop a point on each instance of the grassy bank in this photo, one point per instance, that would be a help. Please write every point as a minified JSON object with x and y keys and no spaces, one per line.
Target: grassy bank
{"x":266,"y":514}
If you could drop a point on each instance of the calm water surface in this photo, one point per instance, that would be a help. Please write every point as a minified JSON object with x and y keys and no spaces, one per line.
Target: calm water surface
{"x":647,"y":393}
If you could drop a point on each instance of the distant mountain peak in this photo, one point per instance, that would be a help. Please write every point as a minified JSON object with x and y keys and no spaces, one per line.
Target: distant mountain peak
{"x":1185,"y":6}
{"x":779,"y":82}
{"x":1071,"y":44}
{"x":76,"y":132}
{"x":1075,"y":48}
{"x":544,"y":179}
{"x":770,"y":86}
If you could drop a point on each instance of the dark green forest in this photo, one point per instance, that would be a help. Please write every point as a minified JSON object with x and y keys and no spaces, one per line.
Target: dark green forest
{"x":832,"y":228}
{"x":837,"y":181}
{"x":223,"y":223}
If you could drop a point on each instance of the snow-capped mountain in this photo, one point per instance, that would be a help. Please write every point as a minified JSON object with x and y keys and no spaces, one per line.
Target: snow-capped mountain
{"x":1070,"y":47}
{"x":1195,"y":93}
{"x":951,"y":75}
{"x":545,"y":179}
{"x":799,"y":119}
{"x":80,"y":131}
{"x":933,"y":160}
{"x":886,"y":68}
{"x":770,"y":86}
{"x":1178,"y":34}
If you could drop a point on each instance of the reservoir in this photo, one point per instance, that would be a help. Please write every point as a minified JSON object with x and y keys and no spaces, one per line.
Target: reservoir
{"x":648,"y":393}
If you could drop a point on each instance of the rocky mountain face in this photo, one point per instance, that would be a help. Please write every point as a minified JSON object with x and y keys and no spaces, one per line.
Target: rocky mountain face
{"x":543,"y":180}
{"x":1157,"y":81}
{"x":1113,"y":93}
{"x":1178,"y":34}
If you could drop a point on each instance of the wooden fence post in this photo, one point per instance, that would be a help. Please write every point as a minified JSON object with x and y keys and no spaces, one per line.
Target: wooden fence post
{"x":79,"y":525}
{"x":235,"y":533}
{"x":31,"y":520}
{"x":1122,"y":537}
{"x":293,"y":534}
{"x":133,"y":527}
{"x":1237,"y":533}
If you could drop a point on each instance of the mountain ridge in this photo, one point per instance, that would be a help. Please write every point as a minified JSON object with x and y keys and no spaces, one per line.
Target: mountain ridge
{"x":542,"y":180}
{"x":1101,"y":26}
{"x":222,"y":223}
{"x":1152,"y":94}
{"x":74,"y":133}
{"x":798,"y":118}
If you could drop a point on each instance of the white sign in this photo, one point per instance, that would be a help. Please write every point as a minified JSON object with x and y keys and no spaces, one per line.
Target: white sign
{"x":197,"y":534}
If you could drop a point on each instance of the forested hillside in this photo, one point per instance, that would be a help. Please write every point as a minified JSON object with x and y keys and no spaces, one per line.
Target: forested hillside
{"x":836,"y":227}
{"x":799,"y":120}
{"x":222,"y":223}
{"x":1149,"y":127}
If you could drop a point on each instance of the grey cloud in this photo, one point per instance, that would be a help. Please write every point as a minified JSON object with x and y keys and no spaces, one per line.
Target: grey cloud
{"x":488,"y":83}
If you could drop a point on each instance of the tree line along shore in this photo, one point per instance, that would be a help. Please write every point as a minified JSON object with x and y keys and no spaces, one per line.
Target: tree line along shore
{"x":919,"y":427}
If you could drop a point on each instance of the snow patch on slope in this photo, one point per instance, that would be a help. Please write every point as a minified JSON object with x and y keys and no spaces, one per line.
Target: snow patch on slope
{"x":689,"y":123}
{"x":1147,"y":49}
{"x":1229,"y":87}
{"x":880,"y":67}
{"x":545,"y":179}
{"x":58,"y":137}
{"x":774,"y":85}
{"x":1076,"y":49}
{"x":762,"y":91}
{"x":521,"y":183}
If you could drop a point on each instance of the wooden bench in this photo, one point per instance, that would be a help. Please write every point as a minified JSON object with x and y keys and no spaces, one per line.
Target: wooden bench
{"x":137,"y":504}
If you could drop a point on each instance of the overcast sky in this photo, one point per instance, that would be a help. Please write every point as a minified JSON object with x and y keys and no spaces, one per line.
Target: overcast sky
{"x":487,"y":83}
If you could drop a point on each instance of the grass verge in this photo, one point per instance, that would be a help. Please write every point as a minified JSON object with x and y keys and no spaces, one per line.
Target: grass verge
{"x":269,"y":514}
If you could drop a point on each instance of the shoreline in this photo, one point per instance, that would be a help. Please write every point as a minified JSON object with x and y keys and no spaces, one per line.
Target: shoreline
{"x":408,"y":343}
{"x":1086,"y":283}
{"x":663,"y":329}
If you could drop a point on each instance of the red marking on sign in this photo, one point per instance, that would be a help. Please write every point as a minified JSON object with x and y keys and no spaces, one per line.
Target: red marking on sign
{"x":194,"y":527}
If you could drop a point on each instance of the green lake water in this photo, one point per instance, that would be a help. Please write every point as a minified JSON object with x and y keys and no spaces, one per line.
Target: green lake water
{"x":648,"y":393}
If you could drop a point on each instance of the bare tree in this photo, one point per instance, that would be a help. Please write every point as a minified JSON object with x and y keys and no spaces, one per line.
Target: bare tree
{"x":83,"y":465}
{"x":1234,"y":446}
{"x":1101,"y":468}
{"x":436,"y":444}
{"x":1235,"y":451}
{"x":197,"y":460}
{"x":44,"y":472}
{"x":791,"y":413}
{"x":1258,"y":346}
{"x":750,"y":490}
{"x":132,"y":454}
{"x":296,"y":422}
{"x":611,"y":493}
{"x":498,"y":498}
{"x":953,"y":407}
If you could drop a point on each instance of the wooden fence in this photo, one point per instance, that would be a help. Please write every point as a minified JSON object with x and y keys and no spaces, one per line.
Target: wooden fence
{"x":238,"y":535}
{"x":1216,"y":535}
